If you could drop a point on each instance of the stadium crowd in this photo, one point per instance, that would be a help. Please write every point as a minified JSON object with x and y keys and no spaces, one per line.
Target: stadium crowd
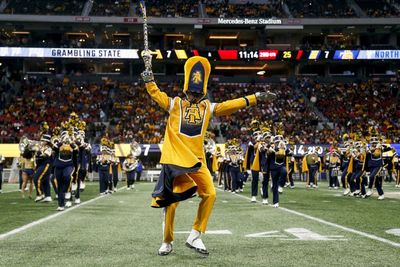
{"x":380,"y":9}
{"x":55,"y":7}
{"x":120,"y":8}
{"x":320,"y":8}
{"x":171,"y":9}
{"x":354,"y":107}
{"x":224,"y":9}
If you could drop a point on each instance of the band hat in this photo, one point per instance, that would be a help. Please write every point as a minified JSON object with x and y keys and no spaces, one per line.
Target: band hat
{"x":197,"y":72}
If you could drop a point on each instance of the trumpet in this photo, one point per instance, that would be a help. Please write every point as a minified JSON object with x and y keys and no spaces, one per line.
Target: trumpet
{"x":136,"y":150}
{"x":210,"y":146}
{"x":26,"y":144}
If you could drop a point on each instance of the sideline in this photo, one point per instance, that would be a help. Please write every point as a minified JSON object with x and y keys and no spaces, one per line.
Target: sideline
{"x":351,"y":230}
{"x":50,"y":217}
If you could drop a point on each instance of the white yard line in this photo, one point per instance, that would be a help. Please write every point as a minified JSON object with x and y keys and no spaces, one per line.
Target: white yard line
{"x":5,"y":192}
{"x":50,"y":217}
{"x":351,"y":230}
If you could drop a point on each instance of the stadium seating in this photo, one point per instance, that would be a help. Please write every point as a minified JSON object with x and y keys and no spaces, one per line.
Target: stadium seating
{"x":55,"y":7}
{"x":224,"y":9}
{"x":320,"y":8}
{"x":378,"y":8}
{"x":171,"y":9}
{"x":110,"y":8}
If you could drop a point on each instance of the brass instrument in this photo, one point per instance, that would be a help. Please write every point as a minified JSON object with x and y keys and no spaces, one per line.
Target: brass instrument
{"x":136,"y":150}
{"x":26,"y":144}
{"x":210,"y":146}
{"x":130,"y":164}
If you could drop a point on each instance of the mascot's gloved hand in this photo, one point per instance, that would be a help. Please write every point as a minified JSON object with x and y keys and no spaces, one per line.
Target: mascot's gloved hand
{"x":147,"y":74}
{"x":267,"y":95}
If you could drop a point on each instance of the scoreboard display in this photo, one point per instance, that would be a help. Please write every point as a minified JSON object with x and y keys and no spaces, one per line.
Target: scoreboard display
{"x":213,"y":55}
{"x":280,"y":55}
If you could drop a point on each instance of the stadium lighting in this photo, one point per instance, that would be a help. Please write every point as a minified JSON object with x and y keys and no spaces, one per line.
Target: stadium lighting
{"x":15,"y":32}
{"x":261,"y":72}
{"x":224,"y":37}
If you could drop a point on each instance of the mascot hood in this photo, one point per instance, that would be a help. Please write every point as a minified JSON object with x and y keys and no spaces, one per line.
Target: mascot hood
{"x":197,"y":72}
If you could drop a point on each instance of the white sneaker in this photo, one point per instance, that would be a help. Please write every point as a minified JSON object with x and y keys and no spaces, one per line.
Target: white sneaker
{"x":128,"y":188}
{"x":265,"y":201}
{"x":194,"y":241}
{"x":336,"y":188}
{"x":83,"y":185}
{"x":132,"y":186}
{"x":292,"y":186}
{"x":316,"y":186}
{"x":115,"y":190}
{"x":67,"y":195}
{"x":78,"y":201}
{"x":60,"y":208}
{"x":276,"y":205}
{"x":369,"y":192}
{"x":39,"y":198}
{"x":240,"y":190}
{"x":68,"y":204}
{"x":346,"y":192}
{"x":220,"y":185}
{"x":280,"y":189}
{"x":253,"y":199}
{"x":233,"y":192}
{"x":381,"y":197}
{"x":47,"y":199}
{"x":287,"y":184}
{"x":165,"y":249}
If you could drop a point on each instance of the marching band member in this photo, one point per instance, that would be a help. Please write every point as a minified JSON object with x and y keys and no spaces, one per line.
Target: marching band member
{"x":55,"y":140}
{"x":265,"y":145}
{"x":41,"y":177}
{"x":291,"y":167}
{"x":311,"y":164}
{"x":332,"y":163}
{"x":375,"y":164}
{"x":129,"y":167}
{"x":277,"y":163}
{"x":84,"y":156}
{"x":2,"y":159}
{"x":221,"y":167}
{"x":344,"y":164}
{"x":227,"y":167}
{"x":66,"y":153}
{"x":184,"y":168}
{"x":359,"y":174}
{"x":103,"y":162}
{"x":253,"y":159}
{"x":114,"y":169}
{"x":396,"y":166}
{"x":235,"y":165}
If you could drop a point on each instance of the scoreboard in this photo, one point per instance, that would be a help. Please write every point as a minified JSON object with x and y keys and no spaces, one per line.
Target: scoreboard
{"x":212,"y":55}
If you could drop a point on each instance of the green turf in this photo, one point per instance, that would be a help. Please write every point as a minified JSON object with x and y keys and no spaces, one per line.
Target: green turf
{"x":17,"y":211}
{"x":122,"y":230}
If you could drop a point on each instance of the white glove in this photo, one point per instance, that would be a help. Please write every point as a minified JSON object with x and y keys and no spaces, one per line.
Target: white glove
{"x":267,"y":95}
{"x":147,"y":74}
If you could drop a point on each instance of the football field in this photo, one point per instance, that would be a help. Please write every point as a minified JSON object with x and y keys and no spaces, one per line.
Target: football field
{"x":311,"y":228}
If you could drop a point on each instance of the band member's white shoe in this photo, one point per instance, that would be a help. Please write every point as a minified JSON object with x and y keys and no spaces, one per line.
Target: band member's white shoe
{"x":83,"y":186}
{"x":276,"y":205}
{"x":194,"y":241}
{"x":78,"y":201}
{"x":165,"y":249}
{"x":68,"y":204}
{"x":369,"y":193}
{"x":346,"y":192}
{"x":60,"y":208}
{"x":381,"y":197}
{"x":47,"y":199}
{"x":67,"y":195}
{"x":39,"y":198}
{"x":280,"y":189}
{"x":253,"y":199}
{"x":265,"y":201}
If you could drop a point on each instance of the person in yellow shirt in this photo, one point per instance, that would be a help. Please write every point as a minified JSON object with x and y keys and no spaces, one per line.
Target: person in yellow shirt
{"x":184,"y":169}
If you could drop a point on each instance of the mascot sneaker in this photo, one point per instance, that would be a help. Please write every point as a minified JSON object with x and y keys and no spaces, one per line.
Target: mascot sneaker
{"x":165,"y":249}
{"x":194,"y":241}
